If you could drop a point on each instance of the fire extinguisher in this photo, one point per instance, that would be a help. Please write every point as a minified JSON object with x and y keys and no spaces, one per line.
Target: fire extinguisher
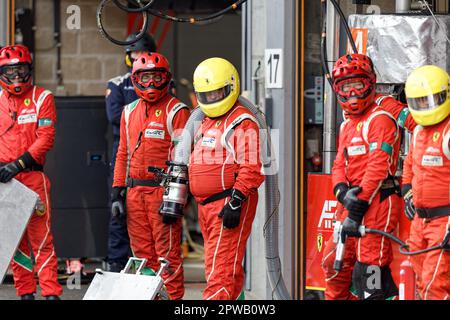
{"x":407,"y":286}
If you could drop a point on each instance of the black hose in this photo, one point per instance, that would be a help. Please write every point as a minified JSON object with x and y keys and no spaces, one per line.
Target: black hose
{"x":194,"y":20}
{"x":346,"y":26}
{"x":415,"y":253}
{"x":146,"y":10}
{"x":139,"y":6}
{"x":404,"y":246}
{"x":103,"y":32}
{"x":388,"y":235}
{"x":323,"y":44}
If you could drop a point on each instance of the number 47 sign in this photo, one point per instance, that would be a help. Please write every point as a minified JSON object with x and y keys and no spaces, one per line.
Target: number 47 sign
{"x":274,"y":68}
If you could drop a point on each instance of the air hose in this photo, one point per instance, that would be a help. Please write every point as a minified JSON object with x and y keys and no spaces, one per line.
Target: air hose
{"x":146,"y":10}
{"x":404,"y":246}
{"x":323,"y":45}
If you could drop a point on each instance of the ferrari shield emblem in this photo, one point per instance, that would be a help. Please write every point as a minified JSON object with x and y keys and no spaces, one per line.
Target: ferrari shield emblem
{"x":158,"y":113}
{"x":319,"y":242}
{"x":359,"y":126}
{"x":27,"y":102}
{"x":436,"y":136}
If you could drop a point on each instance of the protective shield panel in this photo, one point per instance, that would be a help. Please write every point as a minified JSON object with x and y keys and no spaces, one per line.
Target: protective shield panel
{"x":17,"y":204}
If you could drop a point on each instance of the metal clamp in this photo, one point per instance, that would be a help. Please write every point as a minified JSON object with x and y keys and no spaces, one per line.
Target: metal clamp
{"x":132,"y":263}
{"x":163,"y":268}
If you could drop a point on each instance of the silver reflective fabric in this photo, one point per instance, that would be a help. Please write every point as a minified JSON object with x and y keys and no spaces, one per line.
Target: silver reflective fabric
{"x":17,"y":204}
{"x":398,"y":44}
{"x":123,"y":286}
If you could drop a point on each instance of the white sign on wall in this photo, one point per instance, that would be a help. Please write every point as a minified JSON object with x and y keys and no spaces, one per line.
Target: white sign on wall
{"x":274,"y":68}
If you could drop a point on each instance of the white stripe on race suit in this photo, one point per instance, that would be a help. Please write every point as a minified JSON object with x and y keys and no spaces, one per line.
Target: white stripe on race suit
{"x":215,"y":294}
{"x":171,"y":115}
{"x":41,"y":100}
{"x":436,"y":268}
{"x":385,"y":230}
{"x":170,"y":241}
{"x":215,"y":253}
{"x":172,"y":275}
{"x":224,"y":140}
{"x":323,"y":262}
{"x":446,"y":142}
{"x":47,"y":216}
{"x":240,"y":236}
{"x":415,"y":133}
{"x":46,"y":261}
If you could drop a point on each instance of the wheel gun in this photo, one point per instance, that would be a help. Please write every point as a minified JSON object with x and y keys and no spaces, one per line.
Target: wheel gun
{"x":339,"y":237}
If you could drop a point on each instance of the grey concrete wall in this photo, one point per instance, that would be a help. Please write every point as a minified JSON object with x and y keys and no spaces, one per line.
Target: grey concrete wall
{"x":273,"y":27}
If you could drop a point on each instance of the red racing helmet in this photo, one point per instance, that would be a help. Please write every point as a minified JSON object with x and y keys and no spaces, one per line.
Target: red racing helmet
{"x":354,"y":81}
{"x":15,"y":69}
{"x":151,"y":76}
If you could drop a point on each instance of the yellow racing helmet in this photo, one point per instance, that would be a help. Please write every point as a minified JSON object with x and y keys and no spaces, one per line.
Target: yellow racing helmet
{"x":216,"y":84}
{"x":428,"y":96}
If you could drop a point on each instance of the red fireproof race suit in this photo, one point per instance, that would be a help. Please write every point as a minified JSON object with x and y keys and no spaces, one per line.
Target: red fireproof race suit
{"x":427,"y":168}
{"x":398,"y":110}
{"x":27,"y":124}
{"x":367,"y":157}
{"x":226,"y":155}
{"x":148,"y":133}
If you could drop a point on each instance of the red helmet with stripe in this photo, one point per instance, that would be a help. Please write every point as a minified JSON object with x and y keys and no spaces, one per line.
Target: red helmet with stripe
{"x":15,"y":69}
{"x":151,"y":76}
{"x":354,"y":81}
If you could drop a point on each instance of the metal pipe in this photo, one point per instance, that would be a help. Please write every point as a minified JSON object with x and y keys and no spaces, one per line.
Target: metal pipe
{"x":247,"y":86}
{"x":3,"y":23}
{"x":402,"y":6}
{"x":329,"y":125}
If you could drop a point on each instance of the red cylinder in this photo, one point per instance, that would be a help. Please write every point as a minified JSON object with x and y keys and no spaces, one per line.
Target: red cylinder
{"x":407,"y":285}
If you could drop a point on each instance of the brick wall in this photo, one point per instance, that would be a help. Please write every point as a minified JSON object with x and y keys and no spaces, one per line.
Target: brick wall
{"x":88,"y":60}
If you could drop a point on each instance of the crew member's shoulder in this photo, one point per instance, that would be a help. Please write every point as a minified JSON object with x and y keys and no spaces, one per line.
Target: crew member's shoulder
{"x":120,"y":79}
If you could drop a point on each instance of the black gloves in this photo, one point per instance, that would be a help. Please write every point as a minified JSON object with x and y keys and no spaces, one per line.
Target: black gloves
{"x":356,"y":211}
{"x":356,"y":208}
{"x":118,"y":196}
{"x":410,"y":210}
{"x":231,"y":212}
{"x":10,"y":170}
{"x":340,"y":190}
{"x":351,"y":227}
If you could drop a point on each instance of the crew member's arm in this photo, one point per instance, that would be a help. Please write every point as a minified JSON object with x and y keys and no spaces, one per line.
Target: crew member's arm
{"x":178,"y":124}
{"x":115,"y":102}
{"x":249,"y":177}
{"x":407,"y":167}
{"x":45,"y":137}
{"x":45,"y":133}
{"x":247,"y":153}
{"x":120,"y":169}
{"x":382,"y":138}
{"x":407,"y":177}
{"x":400,"y":112}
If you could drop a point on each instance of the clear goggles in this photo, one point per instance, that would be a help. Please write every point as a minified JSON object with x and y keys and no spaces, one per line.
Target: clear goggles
{"x":152,"y":78}
{"x":353,"y":87}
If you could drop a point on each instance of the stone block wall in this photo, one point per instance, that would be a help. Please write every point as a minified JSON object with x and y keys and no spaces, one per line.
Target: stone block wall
{"x":88,"y":60}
